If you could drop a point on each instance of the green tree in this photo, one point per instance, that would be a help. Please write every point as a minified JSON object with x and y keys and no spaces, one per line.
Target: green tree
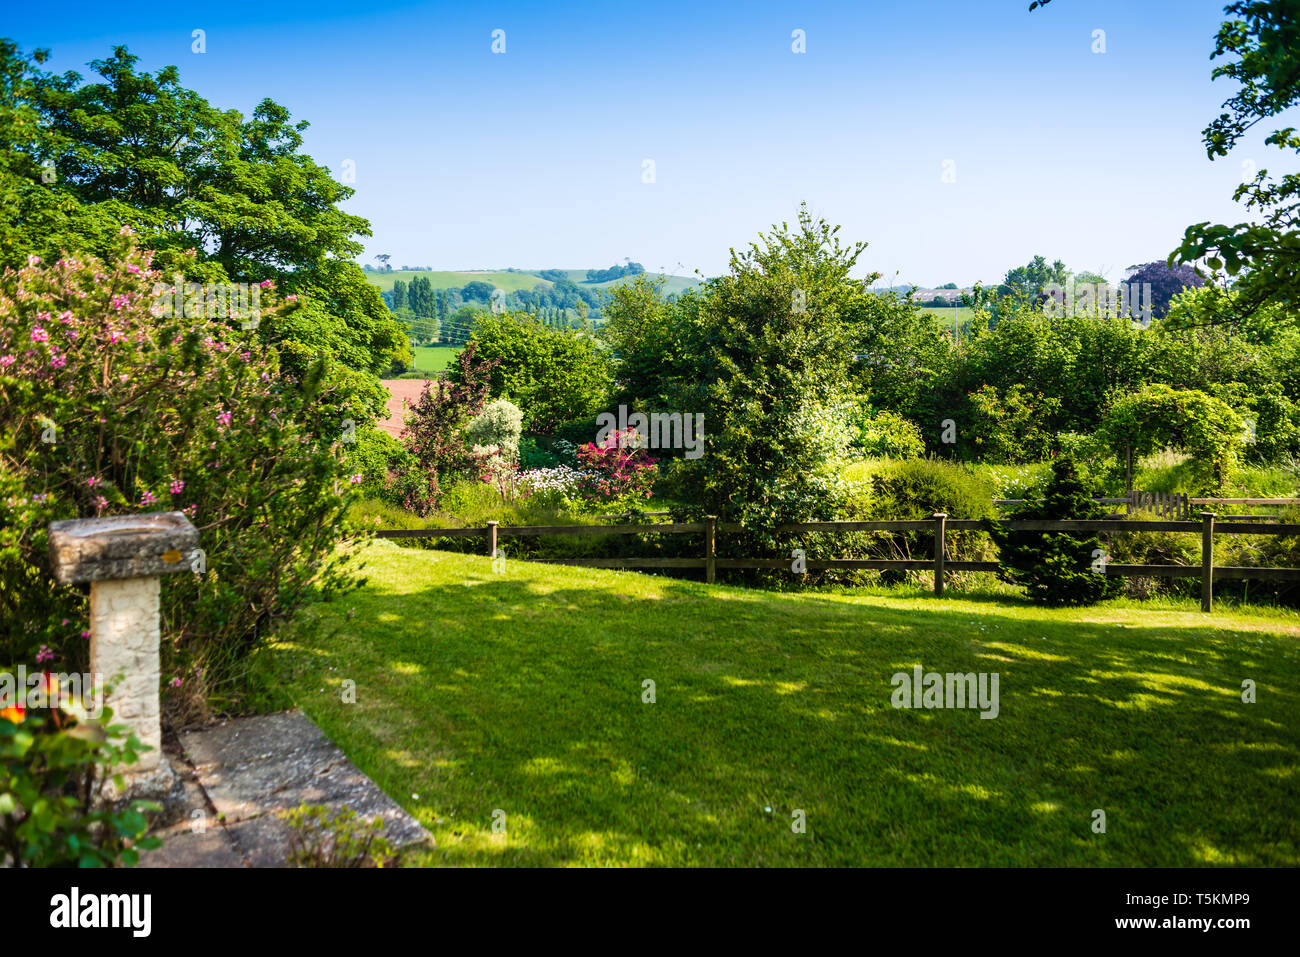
{"x":139,"y":149}
{"x":1261,"y":41}
{"x":555,"y":375}
{"x":1029,"y":281}
{"x":764,"y":355}
{"x":1056,"y":568}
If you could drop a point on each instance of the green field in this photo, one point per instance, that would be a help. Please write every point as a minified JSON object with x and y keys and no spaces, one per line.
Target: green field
{"x":499,"y":279}
{"x":519,"y":692}
{"x":961,"y":314}
{"x":434,"y":358}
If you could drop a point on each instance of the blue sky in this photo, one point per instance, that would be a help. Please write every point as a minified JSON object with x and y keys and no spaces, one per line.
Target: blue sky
{"x":534,"y":158}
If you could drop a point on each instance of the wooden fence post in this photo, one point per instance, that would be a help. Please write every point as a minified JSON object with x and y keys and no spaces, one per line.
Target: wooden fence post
{"x":940,"y":520}
{"x":1207,"y":561}
{"x":710,"y":543}
{"x":492,"y":539}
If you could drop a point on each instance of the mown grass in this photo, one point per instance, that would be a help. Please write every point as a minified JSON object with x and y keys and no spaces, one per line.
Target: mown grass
{"x":520,"y":690}
{"x":434,"y":358}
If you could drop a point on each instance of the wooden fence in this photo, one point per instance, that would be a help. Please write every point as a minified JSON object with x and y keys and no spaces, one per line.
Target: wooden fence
{"x":1176,"y":505}
{"x":938,"y":525}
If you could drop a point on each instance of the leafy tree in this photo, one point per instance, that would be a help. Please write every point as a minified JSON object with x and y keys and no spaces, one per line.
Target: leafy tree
{"x":1158,"y":416}
{"x":640,"y":335}
{"x":1009,"y":426}
{"x":904,"y":362}
{"x":477,"y":290}
{"x":399,"y":295}
{"x":1028,"y":281}
{"x":139,"y":149}
{"x":1056,"y":568}
{"x":764,"y":355}
{"x":555,"y":375}
{"x":1261,"y":40}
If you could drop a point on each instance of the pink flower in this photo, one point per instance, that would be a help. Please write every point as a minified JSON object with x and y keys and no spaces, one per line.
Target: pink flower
{"x":266,"y":284}
{"x":126,"y":231}
{"x":147,"y":498}
{"x":40,"y":335}
{"x":132,"y":268}
{"x":85,"y":634}
{"x":59,"y":361}
{"x":94,"y":482}
{"x":101,"y":503}
{"x":33,"y":260}
{"x":178,"y":486}
{"x":44,"y":654}
{"x":176,"y":682}
{"x":292,"y":297}
{"x":225,"y":418}
{"x":356,"y":479}
{"x":7,"y":361}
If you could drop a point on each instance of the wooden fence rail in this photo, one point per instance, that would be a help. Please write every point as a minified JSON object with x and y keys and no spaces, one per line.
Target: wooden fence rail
{"x":939,"y":525}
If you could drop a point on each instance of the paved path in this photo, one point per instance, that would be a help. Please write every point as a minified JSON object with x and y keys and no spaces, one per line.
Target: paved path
{"x":239,"y":773}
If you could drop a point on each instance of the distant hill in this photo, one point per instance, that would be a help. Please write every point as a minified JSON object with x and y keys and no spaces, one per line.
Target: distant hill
{"x":507,"y":280}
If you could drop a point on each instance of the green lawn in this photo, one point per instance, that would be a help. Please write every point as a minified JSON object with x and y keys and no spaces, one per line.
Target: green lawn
{"x":521,"y":690}
{"x":434,"y":358}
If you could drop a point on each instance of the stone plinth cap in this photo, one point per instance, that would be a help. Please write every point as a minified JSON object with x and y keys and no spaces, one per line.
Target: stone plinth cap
{"x":121,"y":546}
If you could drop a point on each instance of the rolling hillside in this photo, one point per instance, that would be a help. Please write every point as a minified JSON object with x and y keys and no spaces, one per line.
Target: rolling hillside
{"x":504,"y":279}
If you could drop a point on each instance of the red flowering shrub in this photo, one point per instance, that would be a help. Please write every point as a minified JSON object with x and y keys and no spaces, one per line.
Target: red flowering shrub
{"x":619,"y":473}
{"x":109,"y":406}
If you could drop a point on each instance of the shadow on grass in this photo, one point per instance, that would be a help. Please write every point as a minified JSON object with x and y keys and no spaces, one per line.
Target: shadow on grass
{"x":519,"y":699}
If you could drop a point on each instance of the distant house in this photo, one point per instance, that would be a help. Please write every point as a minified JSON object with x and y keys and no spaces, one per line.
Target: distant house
{"x":953,"y":296}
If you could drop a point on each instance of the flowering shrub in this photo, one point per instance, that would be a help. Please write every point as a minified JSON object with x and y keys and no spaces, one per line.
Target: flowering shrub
{"x":53,"y":762}
{"x":560,"y":479}
{"x":497,"y":469}
{"x":619,"y":472}
{"x":498,"y":424}
{"x":434,"y":432}
{"x":109,"y":407}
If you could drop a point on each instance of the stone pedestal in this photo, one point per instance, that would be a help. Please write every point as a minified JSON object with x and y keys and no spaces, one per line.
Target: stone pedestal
{"x":124,"y":640}
{"x":122,"y":558}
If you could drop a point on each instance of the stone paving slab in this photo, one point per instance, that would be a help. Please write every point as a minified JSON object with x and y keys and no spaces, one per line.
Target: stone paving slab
{"x":182,"y":847}
{"x":245,"y":771}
